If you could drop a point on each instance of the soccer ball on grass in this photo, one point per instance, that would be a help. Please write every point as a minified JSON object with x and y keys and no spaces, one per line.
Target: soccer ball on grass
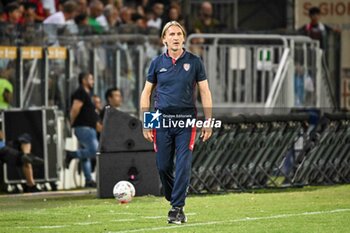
{"x":124,"y":191}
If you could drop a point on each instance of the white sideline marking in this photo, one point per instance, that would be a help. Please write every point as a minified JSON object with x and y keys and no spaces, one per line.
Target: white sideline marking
{"x":123,"y":220}
{"x":233,"y":221}
{"x":42,"y":227}
{"x":156,"y":217}
{"x":86,"y":223}
{"x":123,"y":213}
{"x":51,"y":227}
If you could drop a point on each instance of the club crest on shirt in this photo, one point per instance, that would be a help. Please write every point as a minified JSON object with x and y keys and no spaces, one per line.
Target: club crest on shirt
{"x":187,"y":66}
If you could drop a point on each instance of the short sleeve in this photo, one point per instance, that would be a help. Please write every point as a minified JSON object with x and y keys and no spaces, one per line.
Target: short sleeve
{"x":79,"y":95}
{"x":151,"y":75}
{"x":201,"y":75}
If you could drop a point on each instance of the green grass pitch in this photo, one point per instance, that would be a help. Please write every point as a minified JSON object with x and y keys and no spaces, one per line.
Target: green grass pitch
{"x":310,"y":209}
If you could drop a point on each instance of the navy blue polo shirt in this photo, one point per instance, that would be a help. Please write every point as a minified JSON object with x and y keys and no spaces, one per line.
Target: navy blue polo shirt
{"x":176,"y":82}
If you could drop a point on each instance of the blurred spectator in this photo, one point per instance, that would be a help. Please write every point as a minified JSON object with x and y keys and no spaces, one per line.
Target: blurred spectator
{"x":98,"y":104}
{"x":49,"y":7}
{"x":206,"y":23}
{"x":82,"y":24}
{"x":118,"y":4}
{"x":29,"y":14}
{"x":315,"y":29}
{"x":84,"y":120}
{"x":56,"y":23}
{"x":62,"y":17}
{"x":99,"y":109}
{"x":299,"y":85}
{"x":126,"y":16}
{"x":82,"y":6}
{"x":19,"y":154}
{"x":110,"y":17}
{"x":174,"y":14}
{"x":114,"y":99}
{"x":6,"y":93}
{"x":96,"y":10}
{"x":157,"y":13}
{"x":140,"y":7}
{"x":40,"y":14}
{"x":13,"y":13}
{"x":81,"y":19}
{"x":140,"y":21}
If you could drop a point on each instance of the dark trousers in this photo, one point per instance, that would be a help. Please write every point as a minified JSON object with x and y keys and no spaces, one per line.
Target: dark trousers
{"x":174,"y":145}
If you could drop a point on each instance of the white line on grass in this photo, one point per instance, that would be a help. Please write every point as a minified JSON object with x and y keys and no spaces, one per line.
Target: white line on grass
{"x":156,"y":217}
{"x":42,"y":227}
{"x":51,"y":227}
{"x":153,"y":217}
{"x":123,"y":213}
{"x":123,"y":220}
{"x":233,"y":221}
{"x":86,"y":223}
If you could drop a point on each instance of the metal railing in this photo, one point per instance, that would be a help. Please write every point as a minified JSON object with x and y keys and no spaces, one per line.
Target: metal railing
{"x":240,"y":68}
{"x":270,"y":72}
{"x":245,"y":71}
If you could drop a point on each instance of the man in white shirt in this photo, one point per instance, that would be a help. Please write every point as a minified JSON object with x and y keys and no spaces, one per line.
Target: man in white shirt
{"x":109,"y":18}
{"x":59,"y":19}
{"x":157,"y":11}
{"x":49,"y":6}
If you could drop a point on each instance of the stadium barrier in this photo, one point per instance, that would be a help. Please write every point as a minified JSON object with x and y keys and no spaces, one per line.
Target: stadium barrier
{"x":48,"y":75}
{"x":244,"y":70}
{"x":264,"y":71}
{"x":272,"y":151}
{"x":245,"y":153}
{"x":328,"y":160}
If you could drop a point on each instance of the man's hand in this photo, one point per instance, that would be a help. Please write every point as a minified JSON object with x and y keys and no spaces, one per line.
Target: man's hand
{"x":206,"y":133}
{"x":148,"y":134}
{"x":99,"y":127}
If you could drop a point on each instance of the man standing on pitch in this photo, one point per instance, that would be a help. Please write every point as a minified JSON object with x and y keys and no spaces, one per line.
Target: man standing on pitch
{"x":174,"y":76}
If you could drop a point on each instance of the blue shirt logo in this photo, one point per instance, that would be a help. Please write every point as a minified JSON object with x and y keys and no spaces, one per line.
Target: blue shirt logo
{"x":151,"y":120}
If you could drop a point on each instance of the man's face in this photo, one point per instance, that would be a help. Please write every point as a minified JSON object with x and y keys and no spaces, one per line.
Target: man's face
{"x":15,"y":15}
{"x":72,"y":15}
{"x":89,"y":82}
{"x":82,"y":6}
{"x":206,"y":10}
{"x":315,"y":18}
{"x":173,"y":14}
{"x":116,"y":99}
{"x":97,"y":10}
{"x":158,"y":9}
{"x":97,"y":101}
{"x":174,"y":38}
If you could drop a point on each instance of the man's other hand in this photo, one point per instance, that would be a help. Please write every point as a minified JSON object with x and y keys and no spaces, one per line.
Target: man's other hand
{"x":148,"y":134}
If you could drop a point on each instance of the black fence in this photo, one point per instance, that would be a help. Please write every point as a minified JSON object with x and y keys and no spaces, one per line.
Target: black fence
{"x":255,"y":151}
